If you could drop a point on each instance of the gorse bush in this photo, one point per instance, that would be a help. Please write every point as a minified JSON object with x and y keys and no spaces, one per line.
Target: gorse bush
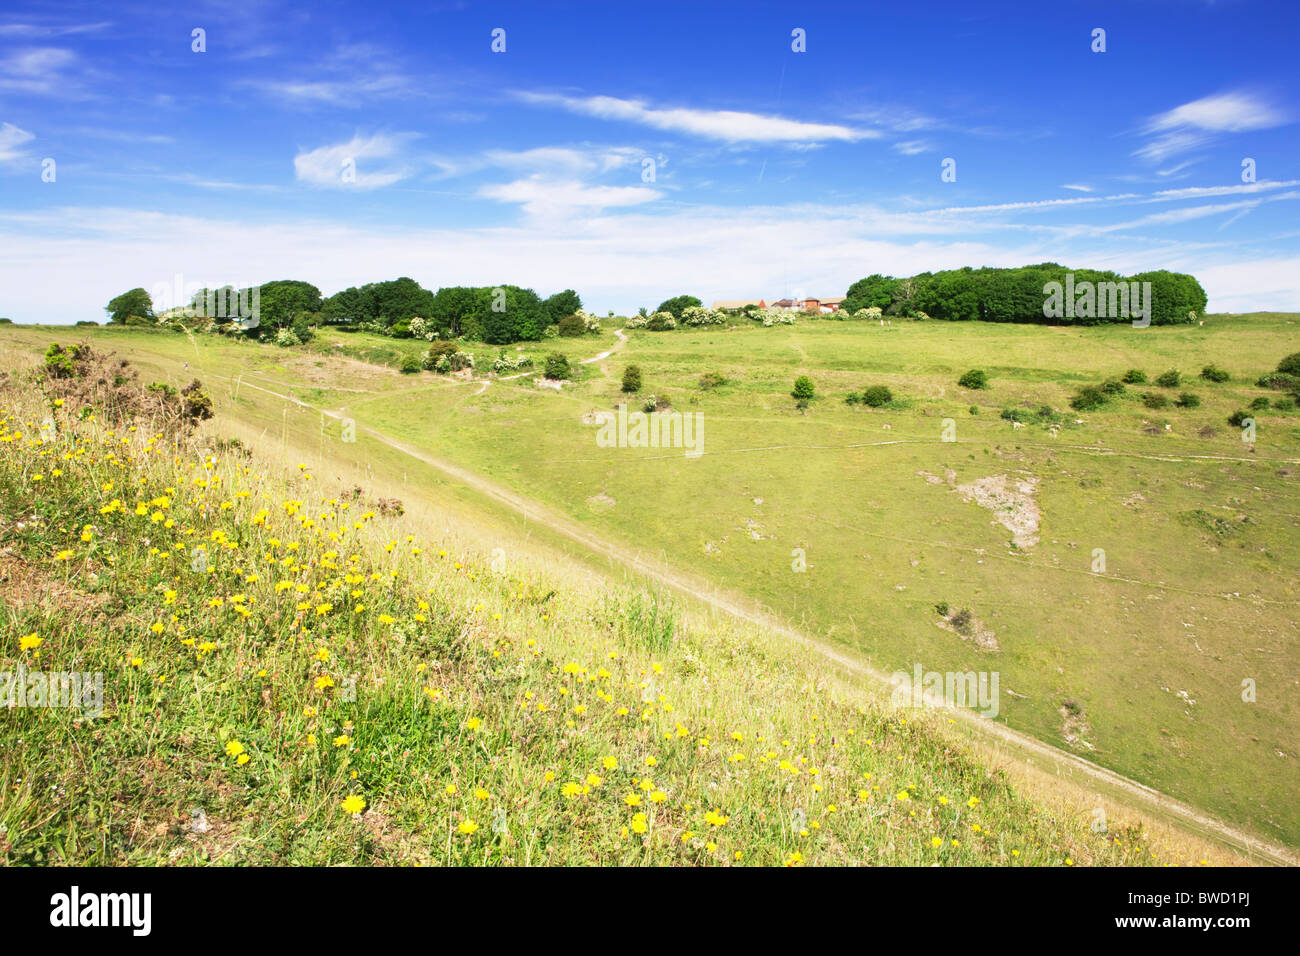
{"x":631,"y":379}
{"x":1134,"y":376}
{"x":975,"y":378}
{"x":1212,"y":373}
{"x":1113,"y":387}
{"x":1169,"y":379}
{"x":1290,"y":365}
{"x":1155,"y":400}
{"x":1189,"y":400}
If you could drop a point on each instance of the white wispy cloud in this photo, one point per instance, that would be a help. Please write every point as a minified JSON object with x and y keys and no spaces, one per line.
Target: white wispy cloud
{"x":1077,"y":187}
{"x":39,"y":70}
{"x":374,"y":160}
{"x":11,"y":140}
{"x":733,"y":126}
{"x":1195,"y":124}
{"x":49,"y":30}
{"x":911,"y":147}
{"x":541,"y":195}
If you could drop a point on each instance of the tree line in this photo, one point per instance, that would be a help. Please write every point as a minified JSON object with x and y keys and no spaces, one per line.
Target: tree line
{"x":1022,"y":295}
{"x":492,"y":314}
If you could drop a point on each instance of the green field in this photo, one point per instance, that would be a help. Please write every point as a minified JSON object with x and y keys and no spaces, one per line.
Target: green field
{"x":1145,"y":662}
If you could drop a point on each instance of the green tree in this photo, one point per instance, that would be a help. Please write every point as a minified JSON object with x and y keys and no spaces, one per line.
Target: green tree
{"x":875,"y":290}
{"x":632,"y":379}
{"x":561,"y":305}
{"x":282,"y":299}
{"x":132,"y":302}
{"x":804,"y":388}
{"x":677,"y":304}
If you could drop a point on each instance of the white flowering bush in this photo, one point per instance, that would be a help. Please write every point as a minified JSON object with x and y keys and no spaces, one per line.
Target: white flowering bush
{"x":874,"y":313}
{"x":422,"y":328}
{"x":661,"y":322}
{"x":285,"y":338}
{"x":591,"y":322}
{"x":505,"y":363}
{"x":839,"y":315}
{"x":698,"y":315}
{"x":637,"y":322}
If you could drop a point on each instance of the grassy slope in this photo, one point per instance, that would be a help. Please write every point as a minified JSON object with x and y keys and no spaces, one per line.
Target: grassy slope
{"x":1120,"y":649}
{"x":498,"y":716}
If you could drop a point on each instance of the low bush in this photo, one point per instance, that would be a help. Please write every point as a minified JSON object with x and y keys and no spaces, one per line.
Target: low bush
{"x":1089,"y":398}
{"x":877,"y":396}
{"x":1134,"y":376}
{"x":1169,"y":379}
{"x":1239,"y":418}
{"x":1188,"y":400}
{"x":557,"y":366}
{"x":1155,"y":400}
{"x":975,"y":378}
{"x":1212,"y":373}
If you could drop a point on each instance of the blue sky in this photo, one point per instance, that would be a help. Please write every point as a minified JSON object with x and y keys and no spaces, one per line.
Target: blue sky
{"x":775,"y":172}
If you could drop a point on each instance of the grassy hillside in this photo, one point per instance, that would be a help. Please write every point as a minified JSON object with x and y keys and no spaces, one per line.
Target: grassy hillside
{"x":1139,"y":668}
{"x":291,"y":677}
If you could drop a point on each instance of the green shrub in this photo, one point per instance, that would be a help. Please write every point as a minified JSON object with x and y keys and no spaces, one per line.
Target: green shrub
{"x":1284,"y":404}
{"x":1134,"y":376}
{"x":803,"y":389}
{"x":1283,"y":381}
{"x":301,"y":328}
{"x":942,"y":608}
{"x":571,"y":326}
{"x":1290,"y":365}
{"x":1042,"y":415}
{"x":1088,"y":398}
{"x":1113,"y":386}
{"x":557,"y":366}
{"x":410,"y":364}
{"x":1169,"y":379}
{"x":974,"y":410}
{"x":1239,"y":418}
{"x":139,"y":322}
{"x":1188,"y":400}
{"x":853,"y":398}
{"x":1259,"y":403}
{"x":975,"y":378}
{"x":1155,"y":400}
{"x":877,"y":396}
{"x":710,"y":380}
{"x":1212,"y":373}
{"x":631,"y":378}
